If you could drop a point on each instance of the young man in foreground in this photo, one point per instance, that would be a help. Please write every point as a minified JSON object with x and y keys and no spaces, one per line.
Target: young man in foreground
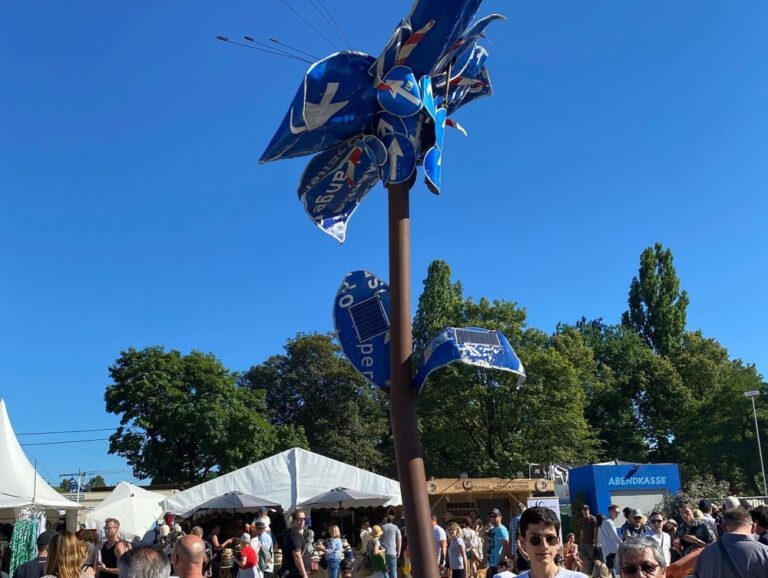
{"x":540,"y":539}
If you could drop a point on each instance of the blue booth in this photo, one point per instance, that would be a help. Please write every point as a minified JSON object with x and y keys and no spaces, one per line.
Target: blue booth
{"x":641,"y":486}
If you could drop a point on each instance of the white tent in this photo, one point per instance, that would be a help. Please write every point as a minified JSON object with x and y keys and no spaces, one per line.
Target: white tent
{"x":135,"y":508}
{"x":287,"y":478}
{"x":20,"y":484}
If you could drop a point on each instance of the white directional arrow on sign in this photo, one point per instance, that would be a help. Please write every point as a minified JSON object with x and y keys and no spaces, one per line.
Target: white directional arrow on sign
{"x":317,"y":114}
{"x":396,"y":88}
{"x":394,"y":153}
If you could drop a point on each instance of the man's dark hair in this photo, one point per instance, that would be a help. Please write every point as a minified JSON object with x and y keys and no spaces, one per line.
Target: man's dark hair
{"x":538,"y":515}
{"x":613,"y":507}
{"x":389,"y":519}
{"x":760,"y":516}
{"x":296,"y":513}
{"x":626,"y":511}
{"x":503,"y":563}
{"x":736,"y":517}
{"x":705,"y":506}
{"x":144,"y":562}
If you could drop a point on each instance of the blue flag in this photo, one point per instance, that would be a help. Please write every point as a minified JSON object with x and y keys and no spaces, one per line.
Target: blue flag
{"x":472,"y":346}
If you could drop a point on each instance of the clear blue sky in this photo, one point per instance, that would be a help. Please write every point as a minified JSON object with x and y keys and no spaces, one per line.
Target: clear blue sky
{"x":134,"y":212}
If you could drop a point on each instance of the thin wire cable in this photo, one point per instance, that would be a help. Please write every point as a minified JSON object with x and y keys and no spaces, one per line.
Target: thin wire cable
{"x":276,"y":41}
{"x":65,"y":442}
{"x":252,"y":40}
{"x":284,"y":55}
{"x":325,"y":13}
{"x":45,"y":433}
{"x":312,"y":26}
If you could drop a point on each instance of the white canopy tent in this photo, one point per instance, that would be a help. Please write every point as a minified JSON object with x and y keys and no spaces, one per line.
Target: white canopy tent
{"x":20,"y":485}
{"x":288,"y":478}
{"x":135,"y":508}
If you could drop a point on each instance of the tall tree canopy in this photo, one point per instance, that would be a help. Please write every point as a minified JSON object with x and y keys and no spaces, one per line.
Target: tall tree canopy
{"x":314,"y":388}
{"x":478,"y":421}
{"x":657,"y":307}
{"x":183,"y":419}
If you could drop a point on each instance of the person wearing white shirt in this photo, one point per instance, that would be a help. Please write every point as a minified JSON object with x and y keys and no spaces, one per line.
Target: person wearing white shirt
{"x":655,"y":525}
{"x":609,"y":536}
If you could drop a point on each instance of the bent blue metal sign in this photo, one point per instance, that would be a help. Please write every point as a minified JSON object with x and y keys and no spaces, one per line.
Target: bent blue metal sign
{"x":361,"y":318}
{"x":472,"y":346}
{"x":431,"y":66}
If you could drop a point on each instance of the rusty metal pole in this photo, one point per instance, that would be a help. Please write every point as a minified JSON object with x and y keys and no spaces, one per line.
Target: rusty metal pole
{"x":402,"y":405}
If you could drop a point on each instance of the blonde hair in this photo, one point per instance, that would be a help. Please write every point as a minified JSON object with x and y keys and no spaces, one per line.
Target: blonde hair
{"x":600,"y":570}
{"x":454,"y":526}
{"x":376,"y":531}
{"x":65,"y":557}
{"x":334,"y":531}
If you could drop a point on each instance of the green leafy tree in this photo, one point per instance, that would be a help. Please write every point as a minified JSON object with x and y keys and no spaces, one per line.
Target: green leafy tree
{"x":478,"y":421}
{"x":657,"y":307}
{"x":314,"y":388}
{"x":182,"y":417}
{"x":96,"y":481}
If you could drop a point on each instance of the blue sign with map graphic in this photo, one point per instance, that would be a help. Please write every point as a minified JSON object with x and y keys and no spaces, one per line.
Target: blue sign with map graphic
{"x":361,"y":318}
{"x":472,"y":346}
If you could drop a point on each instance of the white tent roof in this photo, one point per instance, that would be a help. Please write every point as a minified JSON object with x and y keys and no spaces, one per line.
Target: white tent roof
{"x":136,"y":508}
{"x":287,"y":478}
{"x":19,"y":483}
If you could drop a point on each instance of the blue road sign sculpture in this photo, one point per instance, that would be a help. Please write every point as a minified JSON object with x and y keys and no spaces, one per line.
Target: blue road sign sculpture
{"x":398,"y":103}
{"x":361,"y":318}
{"x":472,"y":346}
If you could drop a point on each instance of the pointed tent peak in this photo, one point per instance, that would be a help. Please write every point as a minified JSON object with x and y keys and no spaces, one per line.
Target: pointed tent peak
{"x":21,"y":484}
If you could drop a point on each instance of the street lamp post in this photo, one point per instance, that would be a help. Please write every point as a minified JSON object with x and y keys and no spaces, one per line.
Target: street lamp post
{"x":752,"y":395}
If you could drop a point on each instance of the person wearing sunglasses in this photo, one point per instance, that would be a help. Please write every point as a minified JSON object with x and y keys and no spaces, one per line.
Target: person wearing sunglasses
{"x":498,"y":538}
{"x":293,"y":546}
{"x":540,"y":539}
{"x":656,"y":532}
{"x":641,"y":557}
{"x":636,"y":526}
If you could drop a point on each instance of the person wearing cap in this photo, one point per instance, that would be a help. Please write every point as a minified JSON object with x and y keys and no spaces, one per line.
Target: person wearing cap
{"x":263,"y":517}
{"x":498,"y":538}
{"x":246,"y":559}
{"x":636,"y":526}
{"x":587,"y":538}
{"x":261,"y":541}
{"x":35,"y":568}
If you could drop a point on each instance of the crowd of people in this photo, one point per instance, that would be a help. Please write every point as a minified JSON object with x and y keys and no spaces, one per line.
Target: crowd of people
{"x":727,"y":543}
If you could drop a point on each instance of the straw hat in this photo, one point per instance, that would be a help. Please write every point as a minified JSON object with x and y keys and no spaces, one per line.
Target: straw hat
{"x":377,"y":531}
